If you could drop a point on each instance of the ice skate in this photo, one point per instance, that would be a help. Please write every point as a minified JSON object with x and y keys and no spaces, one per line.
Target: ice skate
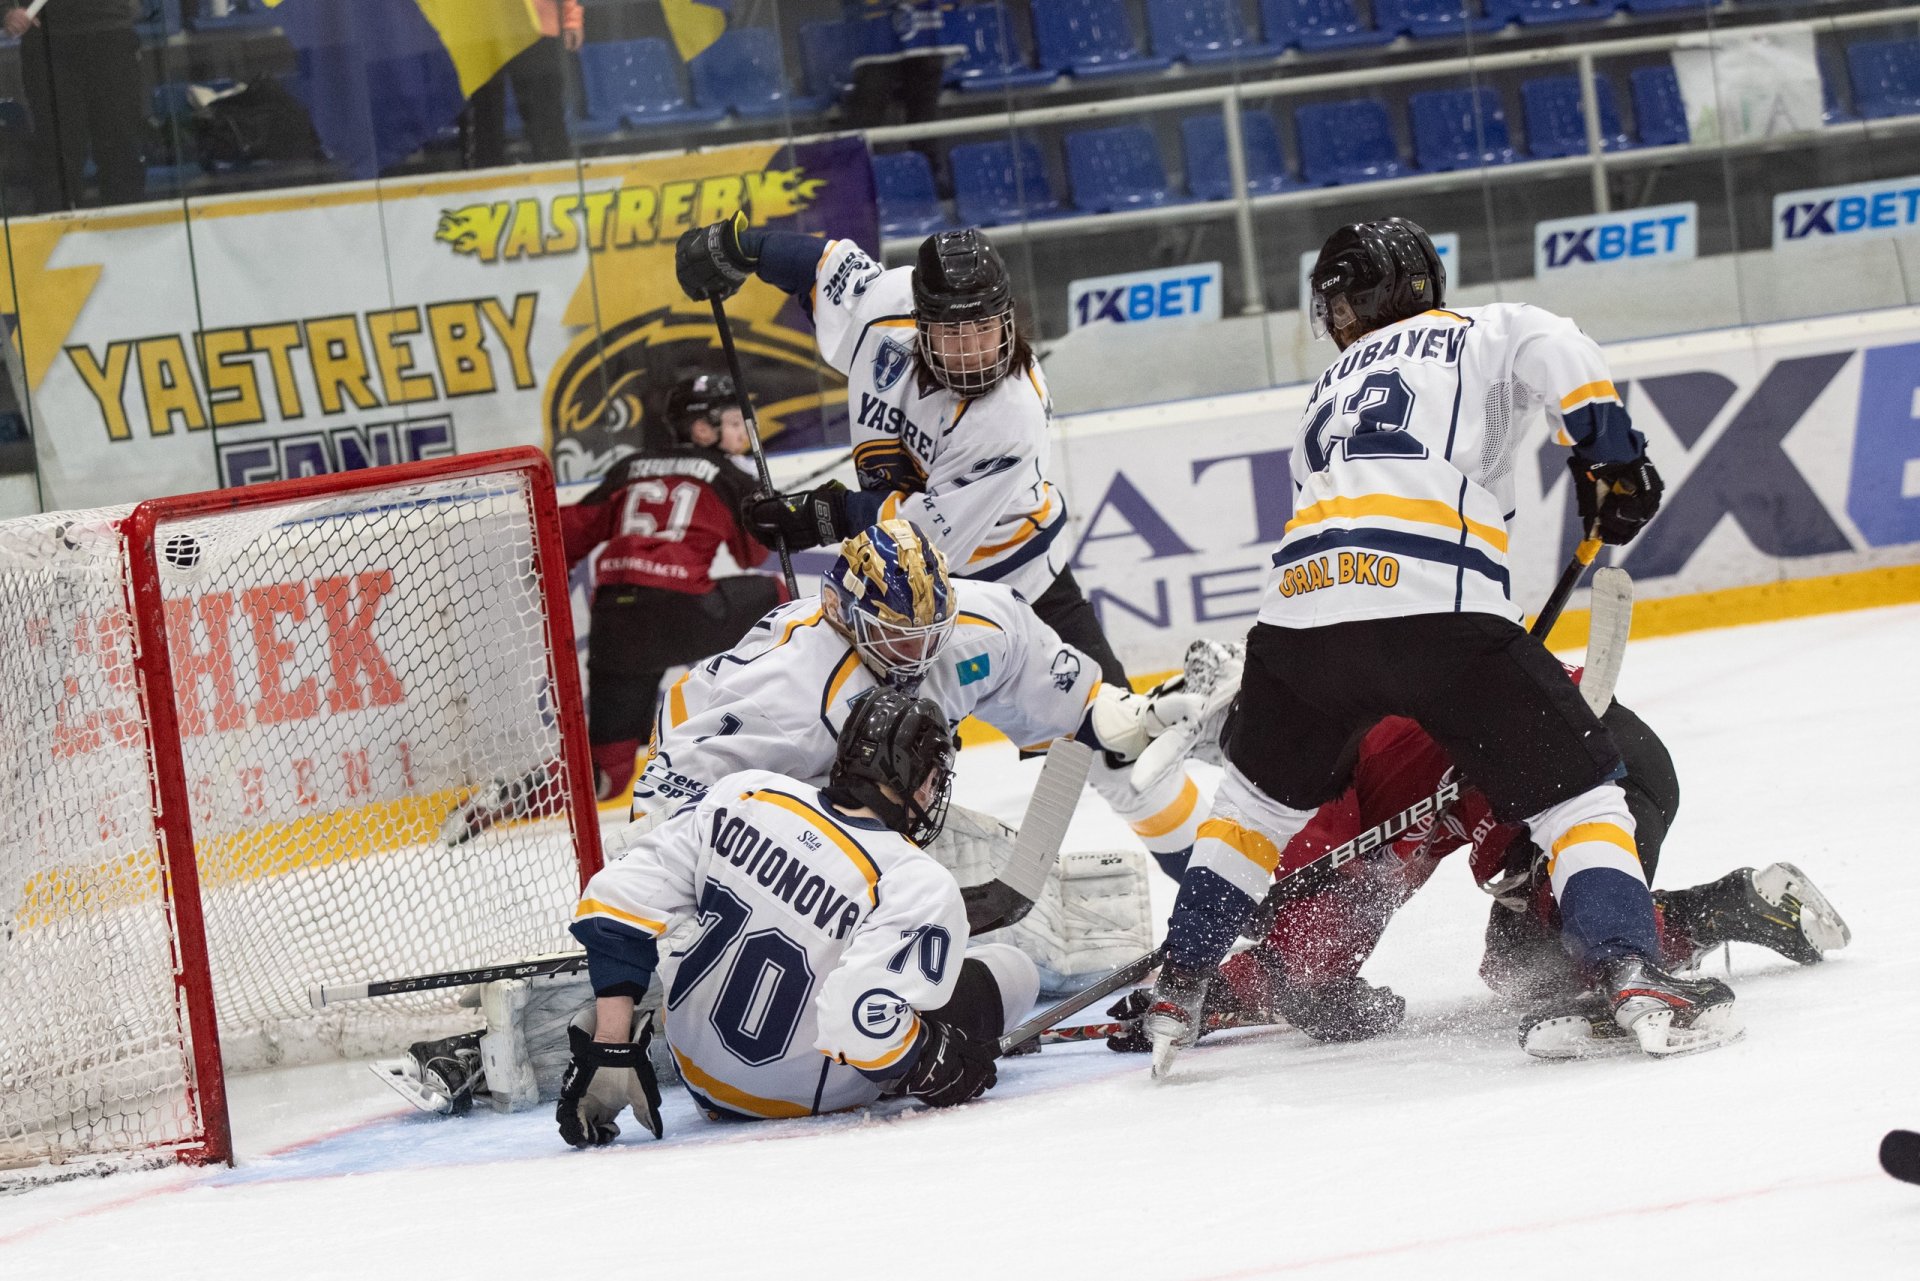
{"x":436,"y":1076}
{"x":1668,"y":1015}
{"x":1777,"y":907}
{"x":1173,"y":1020}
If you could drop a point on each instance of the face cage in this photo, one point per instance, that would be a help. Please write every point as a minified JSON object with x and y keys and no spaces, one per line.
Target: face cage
{"x":899,"y":655}
{"x":924,"y":821}
{"x":967,"y":382}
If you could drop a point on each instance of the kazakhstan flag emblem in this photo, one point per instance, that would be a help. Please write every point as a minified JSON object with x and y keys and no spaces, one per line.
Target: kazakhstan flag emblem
{"x":973,"y":669}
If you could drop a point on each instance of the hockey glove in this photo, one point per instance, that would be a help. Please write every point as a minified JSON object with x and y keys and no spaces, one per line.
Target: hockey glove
{"x":603,"y":1079}
{"x":810,"y":518}
{"x":711,"y":262}
{"x":1122,"y":723}
{"x":1618,"y":498}
{"x":952,"y":1067}
{"x":1219,"y":1008}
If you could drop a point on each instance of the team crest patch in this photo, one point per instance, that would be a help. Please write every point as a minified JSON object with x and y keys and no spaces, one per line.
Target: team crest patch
{"x":973,"y":669}
{"x":878,"y":1013}
{"x":1065,"y":669}
{"x":889,"y":363}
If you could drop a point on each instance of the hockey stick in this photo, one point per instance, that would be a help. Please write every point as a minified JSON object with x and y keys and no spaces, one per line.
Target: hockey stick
{"x":822,"y":470}
{"x":1077,"y":1033}
{"x":1126,"y":976}
{"x":1011,"y":894}
{"x":753,"y":433}
{"x":321,"y":995}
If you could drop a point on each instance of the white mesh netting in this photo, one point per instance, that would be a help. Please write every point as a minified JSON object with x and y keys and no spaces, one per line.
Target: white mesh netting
{"x":347,"y":672}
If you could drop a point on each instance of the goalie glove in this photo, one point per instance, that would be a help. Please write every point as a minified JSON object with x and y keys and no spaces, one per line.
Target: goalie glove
{"x":1122,"y":724}
{"x":1211,"y":673}
{"x":951,"y":1067}
{"x":603,"y":1079}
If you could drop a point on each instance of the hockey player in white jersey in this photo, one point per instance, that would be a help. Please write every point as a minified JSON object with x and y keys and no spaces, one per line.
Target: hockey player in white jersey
{"x":949,"y":410}
{"x":889,"y":614}
{"x":1390,"y":596}
{"x":832,"y":967}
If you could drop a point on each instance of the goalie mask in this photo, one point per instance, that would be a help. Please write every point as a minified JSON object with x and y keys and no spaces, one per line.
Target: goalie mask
{"x":888,"y":594}
{"x":895,"y":756}
{"x":1372,"y":274}
{"x":963,"y":312}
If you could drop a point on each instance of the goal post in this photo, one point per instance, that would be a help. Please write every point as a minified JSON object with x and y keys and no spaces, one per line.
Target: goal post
{"x":240,"y":718}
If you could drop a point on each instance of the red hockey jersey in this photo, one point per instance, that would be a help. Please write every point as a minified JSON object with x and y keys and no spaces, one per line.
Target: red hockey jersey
{"x":664,"y":516}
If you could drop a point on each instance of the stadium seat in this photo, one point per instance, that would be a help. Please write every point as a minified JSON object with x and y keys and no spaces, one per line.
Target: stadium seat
{"x":1658,"y":109}
{"x":1668,"y":6}
{"x":1449,"y":133}
{"x":1343,"y":142}
{"x":1432,"y":18}
{"x":1319,"y":24}
{"x":988,"y":190}
{"x":1555,"y":124}
{"x":1202,"y":31}
{"x":828,"y":51}
{"x":1208,"y":175}
{"x":636,"y":82}
{"x":1886,"y":77}
{"x":743,"y":71}
{"x":903,"y":185}
{"x":992,"y":60}
{"x":1541,"y":13}
{"x":1118,"y":167}
{"x":1089,"y":38}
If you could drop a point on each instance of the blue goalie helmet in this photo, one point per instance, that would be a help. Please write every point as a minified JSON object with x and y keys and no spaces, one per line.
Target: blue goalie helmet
{"x":889,"y":595}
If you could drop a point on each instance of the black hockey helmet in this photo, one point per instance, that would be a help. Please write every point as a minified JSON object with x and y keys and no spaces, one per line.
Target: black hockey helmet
{"x":963,"y":311}
{"x":699,"y":398}
{"x":900,"y":744}
{"x":1371,"y":274}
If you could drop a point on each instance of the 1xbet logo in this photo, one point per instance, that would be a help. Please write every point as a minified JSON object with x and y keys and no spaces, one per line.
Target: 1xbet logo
{"x":1641,"y":238}
{"x":1837,"y":216}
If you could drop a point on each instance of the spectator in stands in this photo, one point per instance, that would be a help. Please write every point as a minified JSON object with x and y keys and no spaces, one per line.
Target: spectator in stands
{"x":911,"y":77}
{"x":539,"y":79}
{"x":80,"y":61}
{"x":664,"y":516}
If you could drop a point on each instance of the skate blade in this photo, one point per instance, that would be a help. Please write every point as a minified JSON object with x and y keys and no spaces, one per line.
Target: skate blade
{"x":1712,"y":1028}
{"x":399,"y":1076}
{"x":1573,"y":1036}
{"x":1819,"y":921}
{"x":1165,"y":1050}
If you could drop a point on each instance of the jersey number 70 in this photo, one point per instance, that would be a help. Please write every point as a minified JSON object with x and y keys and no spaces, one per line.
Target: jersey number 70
{"x":1381,"y":409}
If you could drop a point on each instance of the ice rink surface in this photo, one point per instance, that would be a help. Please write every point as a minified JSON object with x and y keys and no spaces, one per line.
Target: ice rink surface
{"x":1438,"y":1151}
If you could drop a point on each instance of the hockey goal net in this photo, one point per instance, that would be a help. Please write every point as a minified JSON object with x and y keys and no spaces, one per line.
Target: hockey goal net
{"x":234,"y":723}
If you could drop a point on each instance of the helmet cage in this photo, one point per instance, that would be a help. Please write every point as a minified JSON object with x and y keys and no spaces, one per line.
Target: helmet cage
{"x":889,"y":595}
{"x":967,"y":357}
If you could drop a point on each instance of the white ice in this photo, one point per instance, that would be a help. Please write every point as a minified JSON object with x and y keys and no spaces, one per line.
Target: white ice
{"x":1439,"y":1151}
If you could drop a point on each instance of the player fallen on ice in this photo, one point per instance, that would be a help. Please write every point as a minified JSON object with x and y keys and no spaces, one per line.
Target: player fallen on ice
{"x":832,"y":968}
{"x":949,"y":415}
{"x":888,"y":614}
{"x":1390,"y":596}
{"x":1305,"y":971}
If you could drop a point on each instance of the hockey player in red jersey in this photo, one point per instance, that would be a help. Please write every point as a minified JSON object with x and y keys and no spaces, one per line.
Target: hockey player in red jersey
{"x":663,"y":516}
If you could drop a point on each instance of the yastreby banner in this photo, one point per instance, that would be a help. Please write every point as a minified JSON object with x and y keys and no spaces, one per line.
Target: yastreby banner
{"x":1789,"y":451}
{"x":235,"y":339}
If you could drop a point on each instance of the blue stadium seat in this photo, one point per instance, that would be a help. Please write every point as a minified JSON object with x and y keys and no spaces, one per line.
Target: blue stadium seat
{"x":903,"y":184}
{"x":1343,"y":142}
{"x":1886,"y":77}
{"x":988,"y":190}
{"x":1658,"y":109}
{"x":1432,"y":18}
{"x":1118,"y":167}
{"x":828,"y":51}
{"x":636,"y":82}
{"x":743,"y":71}
{"x":1202,"y":31}
{"x":1319,"y":24}
{"x":1541,"y":13}
{"x":1555,"y":124}
{"x":1208,"y":176}
{"x":240,"y":13}
{"x":1088,"y":38}
{"x":1450,"y":132}
{"x":992,"y":59}
{"x":1669,"y":6}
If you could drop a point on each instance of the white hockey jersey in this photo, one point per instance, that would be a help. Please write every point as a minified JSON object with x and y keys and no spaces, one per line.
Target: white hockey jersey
{"x":1403,"y":469}
{"x":971,"y":473}
{"x":822,"y":936}
{"x":777,"y":700}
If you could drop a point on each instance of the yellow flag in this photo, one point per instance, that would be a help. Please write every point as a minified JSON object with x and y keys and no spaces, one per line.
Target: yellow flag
{"x":695,"y":25}
{"x":482,"y":36}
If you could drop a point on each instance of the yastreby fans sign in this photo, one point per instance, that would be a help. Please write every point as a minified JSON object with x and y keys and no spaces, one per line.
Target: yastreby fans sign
{"x":248,"y":338}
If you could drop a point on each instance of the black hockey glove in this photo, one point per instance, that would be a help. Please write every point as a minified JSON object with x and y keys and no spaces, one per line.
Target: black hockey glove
{"x":952,"y":1067}
{"x":810,"y":518}
{"x":710,"y":261}
{"x":1620,"y":498}
{"x":603,"y":1079}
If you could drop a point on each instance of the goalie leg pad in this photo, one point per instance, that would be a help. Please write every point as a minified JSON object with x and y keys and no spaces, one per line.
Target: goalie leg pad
{"x":524,"y":1051}
{"x":1094,"y":916}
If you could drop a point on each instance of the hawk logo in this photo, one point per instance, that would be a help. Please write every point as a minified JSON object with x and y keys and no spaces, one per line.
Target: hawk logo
{"x":878,"y":1013}
{"x":1065,"y":669}
{"x":889,"y":363}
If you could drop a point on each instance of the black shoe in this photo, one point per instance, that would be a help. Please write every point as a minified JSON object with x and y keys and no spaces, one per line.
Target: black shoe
{"x":1778,"y":908}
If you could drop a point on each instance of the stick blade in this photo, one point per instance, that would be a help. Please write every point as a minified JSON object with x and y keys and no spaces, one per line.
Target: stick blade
{"x":1609,"y":622}
{"x":1056,"y":794}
